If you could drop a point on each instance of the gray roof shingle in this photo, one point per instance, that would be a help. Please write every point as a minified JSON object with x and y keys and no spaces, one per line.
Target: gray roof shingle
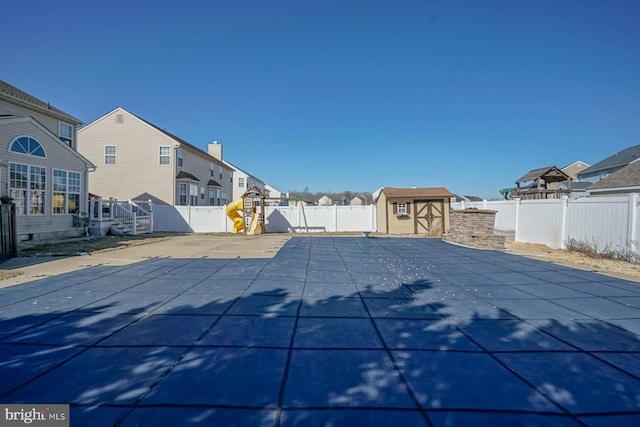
{"x":12,"y":92}
{"x":628,"y":176}
{"x":617,"y":160}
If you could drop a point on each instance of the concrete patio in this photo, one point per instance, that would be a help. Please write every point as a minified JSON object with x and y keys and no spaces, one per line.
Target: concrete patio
{"x":331,"y":331}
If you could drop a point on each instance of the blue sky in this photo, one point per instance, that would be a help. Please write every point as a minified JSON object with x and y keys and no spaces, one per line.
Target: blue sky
{"x":348,"y":95}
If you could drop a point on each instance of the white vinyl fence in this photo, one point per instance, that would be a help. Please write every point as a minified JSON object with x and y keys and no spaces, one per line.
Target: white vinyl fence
{"x":279,"y":219}
{"x":605,"y":223}
{"x":609,"y":223}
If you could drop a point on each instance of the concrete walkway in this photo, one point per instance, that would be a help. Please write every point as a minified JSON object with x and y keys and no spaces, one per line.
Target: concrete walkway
{"x":331,"y":331}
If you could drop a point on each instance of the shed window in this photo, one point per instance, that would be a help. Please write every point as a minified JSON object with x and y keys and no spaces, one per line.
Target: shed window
{"x":401,"y":208}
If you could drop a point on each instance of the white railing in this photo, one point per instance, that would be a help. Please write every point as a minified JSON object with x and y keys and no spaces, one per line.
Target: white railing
{"x":132,"y":216}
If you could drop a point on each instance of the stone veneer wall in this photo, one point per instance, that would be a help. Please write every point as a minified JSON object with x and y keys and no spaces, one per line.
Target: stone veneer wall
{"x":475,"y":228}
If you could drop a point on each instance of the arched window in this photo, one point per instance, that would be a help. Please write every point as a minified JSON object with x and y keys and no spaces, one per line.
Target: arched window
{"x":27,"y":145}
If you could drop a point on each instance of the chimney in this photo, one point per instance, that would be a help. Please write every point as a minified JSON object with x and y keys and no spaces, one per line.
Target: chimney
{"x":215,"y":150}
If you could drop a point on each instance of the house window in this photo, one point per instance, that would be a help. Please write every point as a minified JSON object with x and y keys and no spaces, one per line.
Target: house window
{"x":188,"y":194}
{"x":179,"y":157}
{"x":193,"y":194}
{"x":65,"y":133}
{"x":201,"y":193}
{"x":66,"y":192}
{"x":109,"y":154}
{"x":241,"y":182}
{"x":165,"y":155}
{"x":230,"y":174}
{"x":27,"y":145}
{"x":182,"y":193}
{"x":212,"y":169}
{"x":212,"y":196}
{"x":27,"y":185}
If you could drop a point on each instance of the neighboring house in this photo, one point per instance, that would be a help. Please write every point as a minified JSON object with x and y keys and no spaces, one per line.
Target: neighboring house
{"x":611,"y":164}
{"x":356,"y":201}
{"x":274,"y":193}
{"x":574,"y":188}
{"x":138,"y":160}
{"x":241,"y":180}
{"x":413,"y":210}
{"x":574,"y":169}
{"x":624,"y":181}
{"x":40,"y":170}
{"x":325,"y":201}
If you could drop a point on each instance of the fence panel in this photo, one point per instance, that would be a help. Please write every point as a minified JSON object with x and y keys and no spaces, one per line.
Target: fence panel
{"x":602,"y":222}
{"x":355,"y":218}
{"x":282,"y":219}
{"x":540,"y":221}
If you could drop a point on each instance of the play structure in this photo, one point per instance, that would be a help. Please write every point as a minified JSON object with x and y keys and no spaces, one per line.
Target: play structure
{"x":247,"y":213}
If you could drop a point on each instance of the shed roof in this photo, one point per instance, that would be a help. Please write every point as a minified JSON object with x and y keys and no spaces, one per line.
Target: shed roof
{"x":547,"y":173}
{"x":414,"y":193}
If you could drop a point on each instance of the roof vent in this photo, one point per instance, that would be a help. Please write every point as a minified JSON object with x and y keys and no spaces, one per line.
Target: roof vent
{"x":119,"y":118}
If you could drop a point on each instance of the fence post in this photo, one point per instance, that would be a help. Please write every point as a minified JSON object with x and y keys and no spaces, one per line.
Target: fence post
{"x":374,"y":226}
{"x":151,"y":216}
{"x":517,"y":219}
{"x":563,"y":223}
{"x":633,"y":223}
{"x":335,"y":217}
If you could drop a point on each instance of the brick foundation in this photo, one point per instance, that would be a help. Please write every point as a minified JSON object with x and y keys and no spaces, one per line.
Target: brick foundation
{"x":475,"y":228}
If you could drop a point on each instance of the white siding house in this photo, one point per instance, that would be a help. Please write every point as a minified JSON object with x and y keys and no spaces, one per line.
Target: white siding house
{"x":241,"y":180}
{"x":40,"y":171}
{"x":136,"y":159}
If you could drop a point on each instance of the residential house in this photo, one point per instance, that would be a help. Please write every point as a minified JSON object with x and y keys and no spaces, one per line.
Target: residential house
{"x":574,"y":169}
{"x":325,"y":201}
{"x":609,"y":165}
{"x":356,"y":201}
{"x":623,"y":181}
{"x":138,"y":160}
{"x":40,"y":170}
{"x":574,"y":187}
{"x":274,"y":193}
{"x":241,"y":181}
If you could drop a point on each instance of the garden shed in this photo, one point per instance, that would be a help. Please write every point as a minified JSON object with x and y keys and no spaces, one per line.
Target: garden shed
{"x":413,"y":210}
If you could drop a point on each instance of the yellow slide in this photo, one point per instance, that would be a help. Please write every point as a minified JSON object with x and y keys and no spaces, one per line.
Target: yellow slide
{"x":234,"y":210}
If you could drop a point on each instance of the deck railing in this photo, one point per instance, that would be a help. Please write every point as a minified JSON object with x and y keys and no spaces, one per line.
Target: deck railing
{"x":133,"y":216}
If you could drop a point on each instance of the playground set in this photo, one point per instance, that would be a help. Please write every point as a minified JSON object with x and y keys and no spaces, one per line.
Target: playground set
{"x":247,"y":213}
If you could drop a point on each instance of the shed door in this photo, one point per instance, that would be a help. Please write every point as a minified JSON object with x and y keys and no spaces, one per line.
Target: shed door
{"x":429,"y":217}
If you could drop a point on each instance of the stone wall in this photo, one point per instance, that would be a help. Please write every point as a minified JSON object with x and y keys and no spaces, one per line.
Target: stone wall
{"x":475,"y":228}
